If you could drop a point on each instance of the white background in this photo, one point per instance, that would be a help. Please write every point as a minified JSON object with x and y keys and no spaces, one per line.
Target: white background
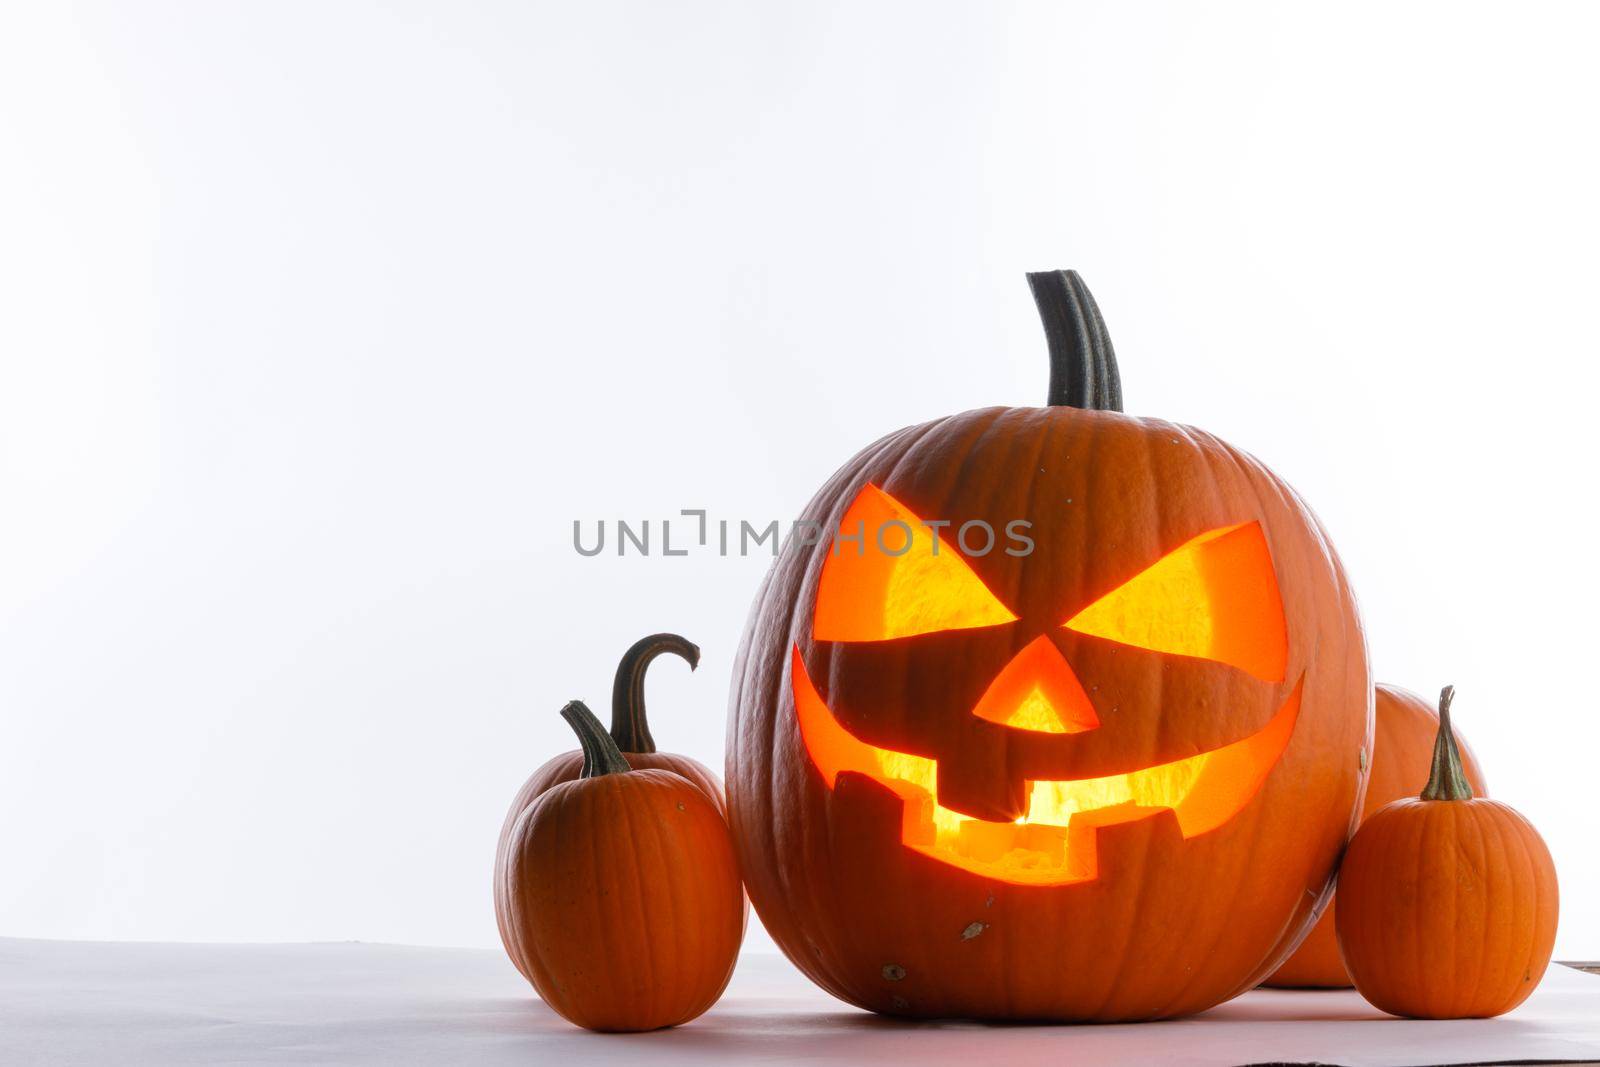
{"x":320,"y":323}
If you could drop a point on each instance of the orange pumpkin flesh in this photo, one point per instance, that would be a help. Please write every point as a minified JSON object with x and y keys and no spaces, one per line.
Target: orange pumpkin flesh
{"x":1447,"y":903}
{"x":623,"y":904}
{"x":1405,"y":728}
{"x":1105,"y":779}
{"x":630,"y":731}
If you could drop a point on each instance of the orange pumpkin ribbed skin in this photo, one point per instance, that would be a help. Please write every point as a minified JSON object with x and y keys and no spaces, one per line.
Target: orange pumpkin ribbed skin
{"x":623,"y":901}
{"x":1169,"y":925}
{"x":631,"y":732}
{"x":569,"y":765}
{"x":1404,"y":728}
{"x":566,"y":768}
{"x":1447,"y":908}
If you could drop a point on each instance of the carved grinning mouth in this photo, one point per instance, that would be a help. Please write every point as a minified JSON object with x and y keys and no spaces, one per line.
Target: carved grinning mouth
{"x":1054,"y":843}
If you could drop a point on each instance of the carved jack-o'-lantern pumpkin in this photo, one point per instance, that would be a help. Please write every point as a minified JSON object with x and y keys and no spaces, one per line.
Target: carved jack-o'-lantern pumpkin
{"x":1068,"y":721}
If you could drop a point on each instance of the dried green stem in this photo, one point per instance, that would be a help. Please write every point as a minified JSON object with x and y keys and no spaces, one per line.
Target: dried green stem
{"x":600,"y":754}
{"x":629,"y":728}
{"x":1448,"y":779}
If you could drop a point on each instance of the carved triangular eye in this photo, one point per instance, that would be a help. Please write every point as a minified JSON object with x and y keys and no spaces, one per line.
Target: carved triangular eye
{"x":1214,"y":597}
{"x":898,"y":579}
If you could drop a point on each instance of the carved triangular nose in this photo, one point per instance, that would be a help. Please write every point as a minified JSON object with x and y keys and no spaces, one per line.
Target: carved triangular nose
{"x":1038,"y":691}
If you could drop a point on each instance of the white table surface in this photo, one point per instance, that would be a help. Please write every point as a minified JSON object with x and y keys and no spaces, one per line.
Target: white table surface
{"x":66,"y":1002}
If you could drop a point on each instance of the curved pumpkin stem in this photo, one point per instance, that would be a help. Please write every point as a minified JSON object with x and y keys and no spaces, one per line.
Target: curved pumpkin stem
{"x":1447,"y":780}
{"x":1083,"y":365}
{"x":629,"y":729}
{"x":600,"y":755}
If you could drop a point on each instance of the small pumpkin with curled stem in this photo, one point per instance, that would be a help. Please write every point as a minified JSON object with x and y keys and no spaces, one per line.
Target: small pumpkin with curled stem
{"x":1447,"y":902}
{"x":623,"y":904}
{"x":630,"y":731}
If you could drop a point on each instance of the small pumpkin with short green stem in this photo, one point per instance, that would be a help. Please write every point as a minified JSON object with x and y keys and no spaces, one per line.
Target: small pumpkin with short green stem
{"x":623,"y":904}
{"x":1447,"y":902}
{"x":1405,"y":731}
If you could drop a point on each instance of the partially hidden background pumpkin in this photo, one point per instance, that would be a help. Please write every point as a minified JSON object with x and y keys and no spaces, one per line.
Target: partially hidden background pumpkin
{"x":1405,"y":728}
{"x":1104,"y":779}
